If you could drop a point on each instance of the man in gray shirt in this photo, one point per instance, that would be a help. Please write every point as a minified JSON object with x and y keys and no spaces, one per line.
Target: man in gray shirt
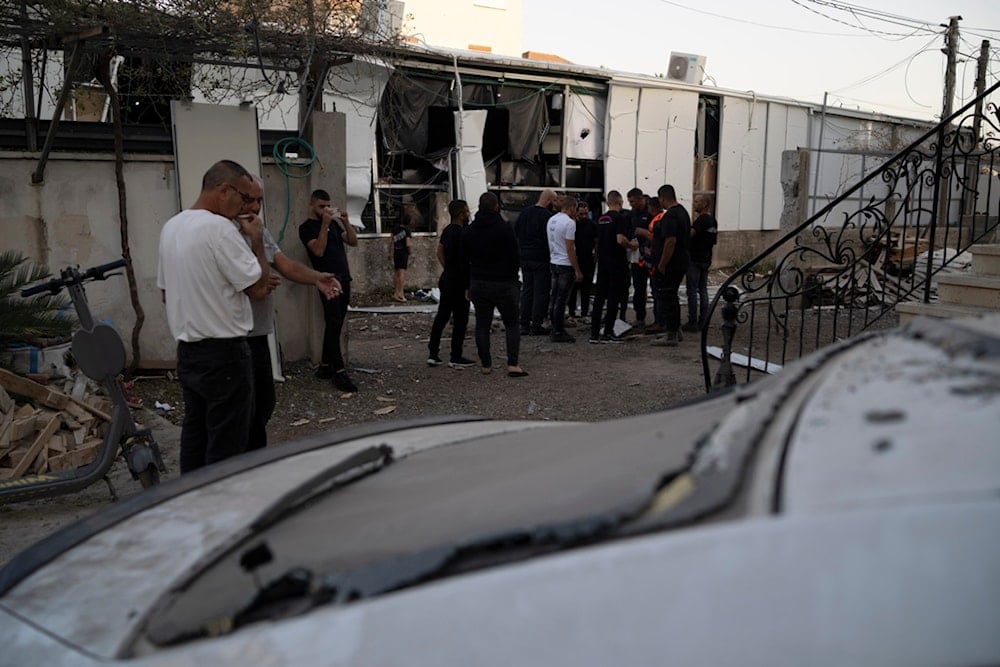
{"x":263,"y":318}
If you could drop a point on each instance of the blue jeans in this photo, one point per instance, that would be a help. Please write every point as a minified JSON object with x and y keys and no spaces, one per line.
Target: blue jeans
{"x":563,"y":278}
{"x":697,"y":292}
{"x":217,"y":378}
{"x":534,"y":294}
{"x":502,"y":295}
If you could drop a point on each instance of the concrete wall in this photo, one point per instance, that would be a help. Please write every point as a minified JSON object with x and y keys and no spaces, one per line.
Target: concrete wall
{"x":72,"y":218}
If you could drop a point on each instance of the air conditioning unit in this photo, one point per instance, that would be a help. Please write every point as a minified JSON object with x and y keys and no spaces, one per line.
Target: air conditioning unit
{"x":686,"y":67}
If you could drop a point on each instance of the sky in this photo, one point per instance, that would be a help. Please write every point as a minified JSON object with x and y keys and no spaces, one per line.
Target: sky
{"x":786,"y":48}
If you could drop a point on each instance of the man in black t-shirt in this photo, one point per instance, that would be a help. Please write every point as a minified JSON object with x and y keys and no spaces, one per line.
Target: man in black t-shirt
{"x":533,"y":252}
{"x":638,"y":218}
{"x":325,"y":235}
{"x":671,"y":239}
{"x":704,"y":232}
{"x":586,"y":243}
{"x":612,"y":269}
{"x":454,"y":286}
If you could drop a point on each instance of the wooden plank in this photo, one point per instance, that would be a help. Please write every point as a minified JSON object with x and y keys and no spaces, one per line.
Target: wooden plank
{"x":25,"y":426}
{"x":93,"y":410}
{"x":76,"y":458}
{"x":60,"y":443}
{"x":36,"y":447}
{"x":6,"y":402}
{"x":25,"y":411}
{"x":5,"y":425}
{"x":22,"y":386}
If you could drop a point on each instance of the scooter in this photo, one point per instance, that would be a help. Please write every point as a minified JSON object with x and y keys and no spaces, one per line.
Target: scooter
{"x":100,"y":354}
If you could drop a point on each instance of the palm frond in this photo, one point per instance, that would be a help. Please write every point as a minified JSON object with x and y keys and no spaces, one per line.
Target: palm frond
{"x":24,"y":319}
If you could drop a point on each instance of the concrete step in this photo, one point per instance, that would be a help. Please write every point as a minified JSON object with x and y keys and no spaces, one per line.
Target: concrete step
{"x":911,"y":309}
{"x":986,"y":259}
{"x":970,"y":290}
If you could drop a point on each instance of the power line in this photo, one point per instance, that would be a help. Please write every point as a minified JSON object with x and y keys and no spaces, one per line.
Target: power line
{"x":905,"y":61}
{"x":867,"y":12}
{"x":761,"y":25}
{"x":859,"y":26}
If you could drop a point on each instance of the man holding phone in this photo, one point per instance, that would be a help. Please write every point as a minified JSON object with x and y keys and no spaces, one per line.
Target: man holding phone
{"x":326,"y":235}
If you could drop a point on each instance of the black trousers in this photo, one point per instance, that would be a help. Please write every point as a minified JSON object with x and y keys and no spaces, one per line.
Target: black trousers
{"x":612,"y":280}
{"x":640,"y":280}
{"x":667,"y":294}
{"x":502,"y":295}
{"x":263,"y":392}
{"x":335,"y":314}
{"x":452,"y":306}
{"x":216,"y":376}
{"x":536,"y":283}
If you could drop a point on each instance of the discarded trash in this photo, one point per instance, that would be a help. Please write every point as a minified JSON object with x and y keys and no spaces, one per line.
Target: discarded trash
{"x":327,"y":420}
{"x":532,"y":407}
{"x":299,"y":422}
{"x":386,"y":410}
{"x":162,"y":407}
{"x":384,"y":399}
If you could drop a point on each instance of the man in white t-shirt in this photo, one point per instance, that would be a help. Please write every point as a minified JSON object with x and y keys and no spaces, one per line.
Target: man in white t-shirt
{"x":563,"y":265}
{"x":208,"y":275}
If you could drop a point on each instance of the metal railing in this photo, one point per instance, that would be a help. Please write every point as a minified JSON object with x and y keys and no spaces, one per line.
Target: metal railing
{"x":844,"y":269}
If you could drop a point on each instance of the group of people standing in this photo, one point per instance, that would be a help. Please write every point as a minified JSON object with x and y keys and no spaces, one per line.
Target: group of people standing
{"x":558,"y":247}
{"x":219,"y":266}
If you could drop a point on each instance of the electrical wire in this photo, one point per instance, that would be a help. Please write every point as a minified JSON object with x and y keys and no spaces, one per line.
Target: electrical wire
{"x":878,"y":33}
{"x":761,"y":25}
{"x":905,"y":61}
{"x":867,"y":12}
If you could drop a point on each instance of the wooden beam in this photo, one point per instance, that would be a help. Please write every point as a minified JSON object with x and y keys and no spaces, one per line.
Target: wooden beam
{"x":36,"y":447}
{"x":22,"y":386}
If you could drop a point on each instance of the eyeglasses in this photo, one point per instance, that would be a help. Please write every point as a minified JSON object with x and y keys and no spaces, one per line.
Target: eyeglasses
{"x":246,"y":198}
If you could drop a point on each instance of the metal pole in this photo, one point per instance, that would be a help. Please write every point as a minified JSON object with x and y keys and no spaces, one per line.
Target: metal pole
{"x":27,"y":79}
{"x":971,"y":167}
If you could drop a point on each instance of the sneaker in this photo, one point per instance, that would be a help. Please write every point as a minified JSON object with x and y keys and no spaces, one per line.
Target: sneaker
{"x":461,"y":362}
{"x":540,"y":331}
{"x":342,"y":382}
{"x":434,"y":360}
{"x":561,"y":337}
{"x":594,"y":340}
{"x":612,"y":339}
{"x":691,"y":327}
{"x":324,"y":372}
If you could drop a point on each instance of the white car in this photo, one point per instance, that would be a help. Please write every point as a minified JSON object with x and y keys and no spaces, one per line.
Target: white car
{"x":845,"y":511}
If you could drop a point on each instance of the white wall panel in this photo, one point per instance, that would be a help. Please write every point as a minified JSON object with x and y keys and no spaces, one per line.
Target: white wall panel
{"x":651,"y":140}
{"x":740,"y":187}
{"x":682,"y":123}
{"x":621,"y":127}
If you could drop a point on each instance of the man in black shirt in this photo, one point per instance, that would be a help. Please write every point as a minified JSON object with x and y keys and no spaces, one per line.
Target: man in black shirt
{"x":612,"y":265}
{"x":491,"y":247}
{"x":325,"y":235}
{"x":586,"y":244}
{"x":533,"y":248}
{"x":638,"y":273}
{"x":671,"y":237}
{"x":704,"y":231}
{"x":453,"y":284}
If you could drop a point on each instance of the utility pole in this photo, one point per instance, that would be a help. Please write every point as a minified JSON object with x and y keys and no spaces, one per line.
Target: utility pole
{"x":951,"y":50}
{"x":944,"y":184}
{"x":972,"y":165}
